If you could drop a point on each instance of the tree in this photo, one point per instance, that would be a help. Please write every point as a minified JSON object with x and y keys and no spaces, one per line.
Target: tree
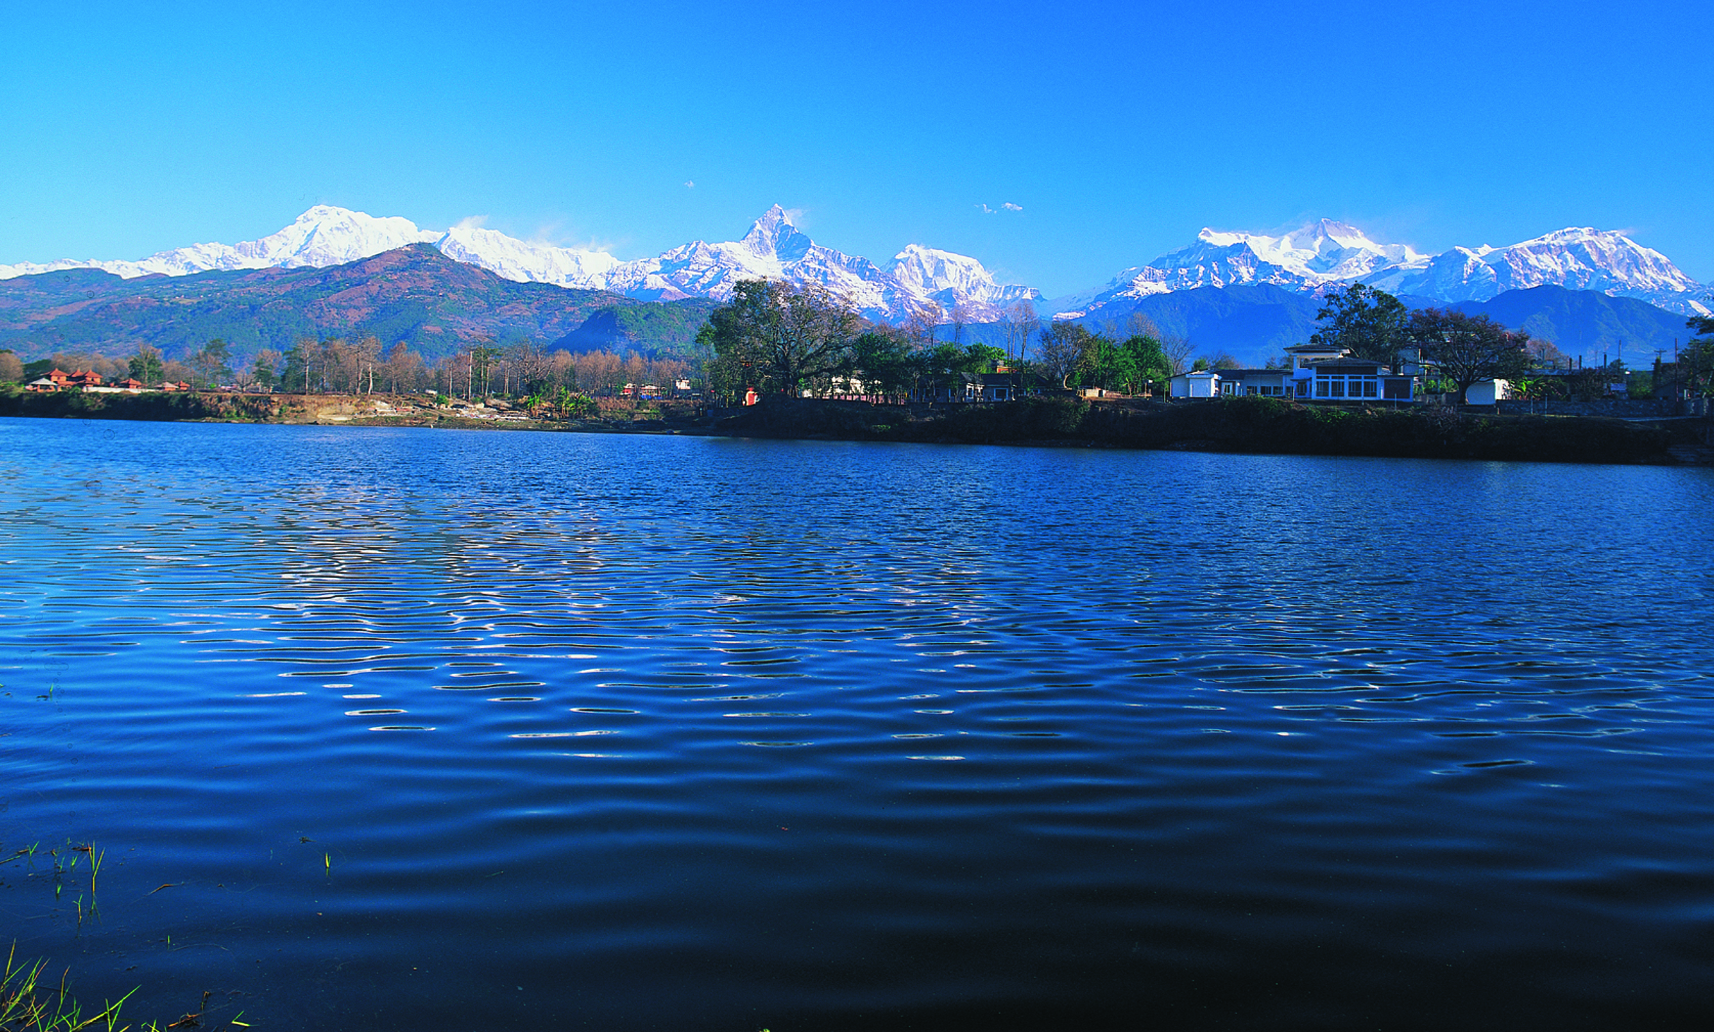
{"x":146,"y":366}
{"x":303,"y":366}
{"x":962,"y":314}
{"x":404,"y":368}
{"x":1063,"y":346}
{"x":212,"y":363}
{"x":366,"y":355}
{"x":1371,"y":323}
{"x":1696,"y":357}
{"x":264,"y":369}
{"x":1545,"y":355}
{"x":1020,"y":323}
{"x":1468,"y":348}
{"x":1147,"y":361}
{"x":789,"y":337}
{"x":1178,"y":349}
{"x":883,"y":362}
{"x":11,"y":367}
{"x":922,"y":323}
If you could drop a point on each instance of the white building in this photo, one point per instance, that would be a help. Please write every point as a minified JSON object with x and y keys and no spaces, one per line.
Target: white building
{"x":1203,"y":383}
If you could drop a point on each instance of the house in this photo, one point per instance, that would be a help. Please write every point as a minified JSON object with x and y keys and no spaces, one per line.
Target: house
{"x":1353,"y":379}
{"x":960,"y":388}
{"x":1000,"y":386}
{"x":1270,"y":383}
{"x":1488,"y":392}
{"x":1323,"y":373}
{"x":1201,"y":383}
{"x":60,"y":380}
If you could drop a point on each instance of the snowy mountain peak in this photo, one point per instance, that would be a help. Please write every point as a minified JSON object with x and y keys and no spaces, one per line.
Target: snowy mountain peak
{"x":325,"y":235}
{"x":774,"y":236}
{"x":1326,"y":252}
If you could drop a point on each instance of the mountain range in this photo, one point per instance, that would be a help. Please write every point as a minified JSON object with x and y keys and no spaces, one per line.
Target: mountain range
{"x":1327,"y":253}
{"x":774,"y":248}
{"x":1306,"y":260}
{"x":335,"y":271}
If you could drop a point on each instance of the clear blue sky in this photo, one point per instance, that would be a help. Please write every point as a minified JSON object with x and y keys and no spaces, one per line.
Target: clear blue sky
{"x":1119,"y":128}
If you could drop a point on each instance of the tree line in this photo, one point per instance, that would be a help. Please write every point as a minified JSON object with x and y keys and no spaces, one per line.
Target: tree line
{"x":1468,"y":349}
{"x":338,"y":365}
{"x":777,"y":337}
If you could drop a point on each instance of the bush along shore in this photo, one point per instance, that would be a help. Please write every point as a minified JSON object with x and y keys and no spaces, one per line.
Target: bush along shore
{"x":1248,"y":424}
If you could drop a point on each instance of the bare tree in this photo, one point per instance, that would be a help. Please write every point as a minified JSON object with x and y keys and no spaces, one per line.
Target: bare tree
{"x":1063,"y":345}
{"x":1021,"y":323}
{"x":366,"y":355}
{"x":1139,"y":325}
{"x":961,"y":314}
{"x":922,"y":323}
{"x":1178,"y":351}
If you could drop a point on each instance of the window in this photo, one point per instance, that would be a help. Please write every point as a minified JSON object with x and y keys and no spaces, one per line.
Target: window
{"x":1321,"y":388}
{"x":1337,"y":384}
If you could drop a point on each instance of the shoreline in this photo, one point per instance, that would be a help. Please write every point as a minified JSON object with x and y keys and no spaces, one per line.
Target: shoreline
{"x":1221,"y":426}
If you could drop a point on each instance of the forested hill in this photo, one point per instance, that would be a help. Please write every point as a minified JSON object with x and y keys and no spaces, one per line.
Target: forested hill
{"x":413,"y":294}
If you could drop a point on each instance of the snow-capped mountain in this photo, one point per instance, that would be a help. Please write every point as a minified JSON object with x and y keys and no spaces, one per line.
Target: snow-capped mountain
{"x":1576,"y":258}
{"x":773,"y":248}
{"x":514,"y":259}
{"x":950,"y":280}
{"x":1325,"y":253}
{"x":1321,"y":252}
{"x":320,"y":237}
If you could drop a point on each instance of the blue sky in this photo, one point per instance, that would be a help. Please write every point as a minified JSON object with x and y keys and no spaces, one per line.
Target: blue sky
{"x":1119,"y":129}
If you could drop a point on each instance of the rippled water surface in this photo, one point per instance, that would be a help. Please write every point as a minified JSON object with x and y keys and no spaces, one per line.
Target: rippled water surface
{"x":427,"y":729}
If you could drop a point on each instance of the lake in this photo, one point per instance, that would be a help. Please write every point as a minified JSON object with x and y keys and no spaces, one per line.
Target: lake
{"x":405,"y":729}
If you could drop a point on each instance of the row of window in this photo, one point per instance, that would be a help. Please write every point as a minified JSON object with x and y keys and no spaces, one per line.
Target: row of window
{"x":1263,"y":389}
{"x":1347,"y":387}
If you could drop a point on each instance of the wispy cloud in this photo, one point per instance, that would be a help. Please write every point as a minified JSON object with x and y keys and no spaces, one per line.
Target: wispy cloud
{"x":472,"y":222}
{"x":1008,"y":206}
{"x":690,"y":184}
